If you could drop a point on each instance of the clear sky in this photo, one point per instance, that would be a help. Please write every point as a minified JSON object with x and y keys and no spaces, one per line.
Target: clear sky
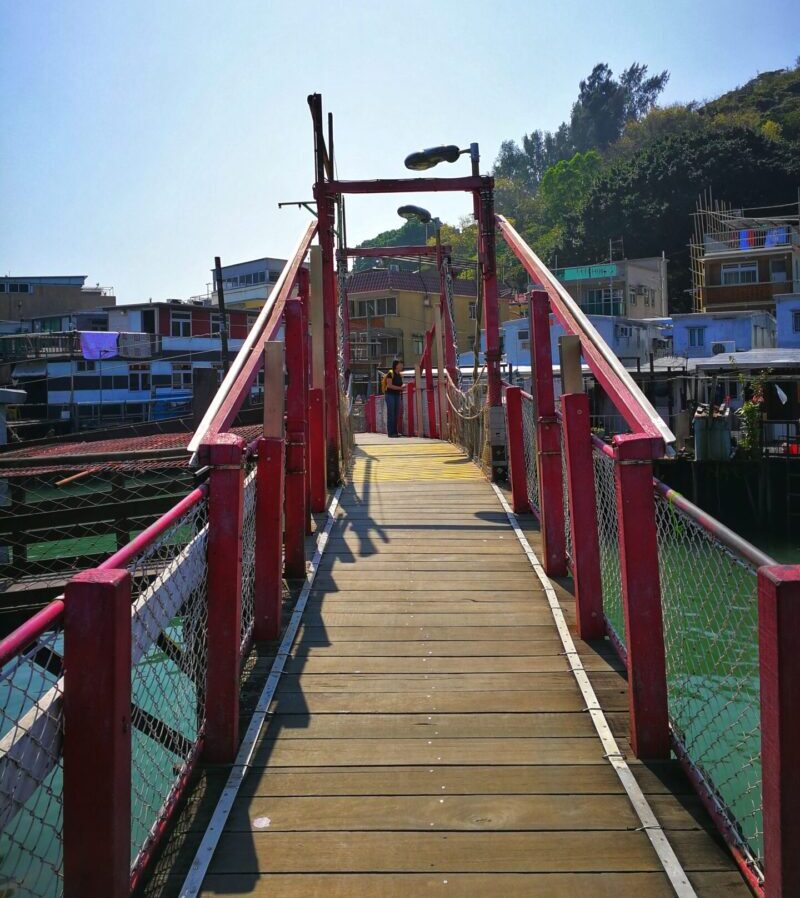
{"x":139,"y":139}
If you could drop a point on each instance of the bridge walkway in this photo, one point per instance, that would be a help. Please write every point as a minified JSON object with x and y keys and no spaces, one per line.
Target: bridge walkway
{"x":428,"y":737}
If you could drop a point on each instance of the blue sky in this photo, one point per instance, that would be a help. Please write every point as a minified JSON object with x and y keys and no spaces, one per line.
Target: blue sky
{"x":140,"y":139}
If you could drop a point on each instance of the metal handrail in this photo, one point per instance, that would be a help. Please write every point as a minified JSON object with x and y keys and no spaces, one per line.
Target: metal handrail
{"x":632,"y":404}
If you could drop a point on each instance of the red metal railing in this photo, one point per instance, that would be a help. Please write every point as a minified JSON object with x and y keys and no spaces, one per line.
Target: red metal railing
{"x":704,"y":621}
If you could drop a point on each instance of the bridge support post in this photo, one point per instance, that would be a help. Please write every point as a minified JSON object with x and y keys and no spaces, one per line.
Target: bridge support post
{"x":582,"y":515}
{"x":516,"y":451}
{"x":97,"y":740}
{"x":641,"y":594}
{"x":409,"y":388}
{"x":268,"y":586}
{"x":225,"y":520}
{"x":430,"y":392}
{"x":779,"y":660}
{"x":316,"y":445}
{"x":548,"y":439}
{"x":296,"y":391}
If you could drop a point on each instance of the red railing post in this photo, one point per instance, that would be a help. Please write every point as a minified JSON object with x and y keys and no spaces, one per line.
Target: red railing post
{"x":316,"y":445}
{"x":409,"y":410}
{"x":582,"y":515}
{"x":641,"y":593}
{"x":516,"y":451}
{"x":296,"y":390}
{"x":304,"y":292}
{"x":268,"y":585}
{"x":97,"y":734}
{"x":779,"y":662}
{"x":225,"y":519}
{"x":548,"y":440}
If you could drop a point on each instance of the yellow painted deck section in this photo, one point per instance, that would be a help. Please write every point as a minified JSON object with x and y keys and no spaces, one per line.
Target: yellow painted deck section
{"x":428,"y":738}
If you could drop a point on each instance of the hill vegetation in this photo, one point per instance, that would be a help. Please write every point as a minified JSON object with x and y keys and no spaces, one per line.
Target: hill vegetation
{"x":625,"y":170}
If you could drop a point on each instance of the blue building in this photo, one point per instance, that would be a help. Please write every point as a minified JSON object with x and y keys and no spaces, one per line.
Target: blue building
{"x":705,"y":334}
{"x":787,"y":316}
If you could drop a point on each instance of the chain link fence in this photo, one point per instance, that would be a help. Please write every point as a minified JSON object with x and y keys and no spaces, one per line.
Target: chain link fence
{"x":168,"y":677}
{"x":31,"y":726}
{"x":710,"y":611}
{"x":529,"y":446}
{"x":248,"y":556}
{"x":608,"y":539}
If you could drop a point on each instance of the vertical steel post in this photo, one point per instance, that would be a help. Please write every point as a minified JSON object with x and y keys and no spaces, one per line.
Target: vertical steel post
{"x":294,"y":501}
{"x":409,"y":388}
{"x":433,"y":430}
{"x":441,"y":381}
{"x":641,"y":594}
{"x":316,"y":443}
{"x":582,"y":515}
{"x":516,"y":451}
{"x":97,"y":735}
{"x":225,"y":521}
{"x":779,"y":662}
{"x":548,"y":439}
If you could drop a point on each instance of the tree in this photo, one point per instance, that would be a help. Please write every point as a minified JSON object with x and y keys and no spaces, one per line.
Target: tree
{"x":605,"y":105}
{"x":649,"y":198}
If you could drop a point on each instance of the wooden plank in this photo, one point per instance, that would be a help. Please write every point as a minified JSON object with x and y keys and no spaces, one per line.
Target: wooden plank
{"x":427,"y":726}
{"x":439,"y":683}
{"x":541,"y":852}
{"x":315,"y":633}
{"x":497,"y":619}
{"x":435,"y":750}
{"x":546,"y":645}
{"x":432,"y":665}
{"x":469,"y":885}
{"x":437,"y":780}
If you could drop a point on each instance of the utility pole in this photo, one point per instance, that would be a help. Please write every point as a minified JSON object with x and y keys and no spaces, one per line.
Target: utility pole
{"x":223,"y":324}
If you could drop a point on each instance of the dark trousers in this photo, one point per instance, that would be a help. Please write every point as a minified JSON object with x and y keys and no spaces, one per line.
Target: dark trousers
{"x":392,"y":412}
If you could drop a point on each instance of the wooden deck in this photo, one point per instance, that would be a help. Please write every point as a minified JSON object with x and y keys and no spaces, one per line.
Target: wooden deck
{"x":428,"y":738}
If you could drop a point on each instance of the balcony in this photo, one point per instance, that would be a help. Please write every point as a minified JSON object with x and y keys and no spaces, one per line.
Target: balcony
{"x":67,"y":344}
{"x":725,"y":297}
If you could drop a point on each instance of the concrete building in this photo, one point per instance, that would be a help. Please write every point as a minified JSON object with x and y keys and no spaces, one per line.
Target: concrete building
{"x":52,"y":296}
{"x":740,"y":261}
{"x":390,"y":311}
{"x":248,"y":284}
{"x":787,"y":317}
{"x":705,"y":334}
{"x":632,"y":288}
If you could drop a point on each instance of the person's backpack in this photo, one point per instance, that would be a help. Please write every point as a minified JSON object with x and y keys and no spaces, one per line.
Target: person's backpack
{"x":385,"y":381}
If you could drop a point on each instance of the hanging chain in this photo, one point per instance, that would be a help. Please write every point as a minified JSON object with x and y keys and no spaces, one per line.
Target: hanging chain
{"x":448,"y":288}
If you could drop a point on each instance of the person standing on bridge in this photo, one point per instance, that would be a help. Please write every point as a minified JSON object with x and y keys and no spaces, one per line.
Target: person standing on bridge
{"x":393,"y":386}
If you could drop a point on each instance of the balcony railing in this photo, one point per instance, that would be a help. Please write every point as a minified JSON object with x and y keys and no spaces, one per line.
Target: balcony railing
{"x":745,"y":238}
{"x":67,"y":344}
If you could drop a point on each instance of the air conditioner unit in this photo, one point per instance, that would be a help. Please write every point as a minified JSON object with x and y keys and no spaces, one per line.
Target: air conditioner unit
{"x":723,"y":346}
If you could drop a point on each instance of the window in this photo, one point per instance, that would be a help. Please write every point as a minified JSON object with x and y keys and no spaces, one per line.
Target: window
{"x":697,"y":336}
{"x":603,"y":301}
{"x":83,"y":367}
{"x":18,"y":288}
{"x":623,"y":332}
{"x":181,"y":324}
{"x":473,"y":310}
{"x":372,"y":308}
{"x":777,"y":271}
{"x":796,"y":322}
{"x":734,"y":273}
{"x":181,"y":375}
{"x":216,"y":322}
{"x":251,"y":320}
{"x":524,"y":339}
{"x":273,"y":276}
{"x":138,"y":378}
{"x":632,"y":296}
{"x":418,"y":343}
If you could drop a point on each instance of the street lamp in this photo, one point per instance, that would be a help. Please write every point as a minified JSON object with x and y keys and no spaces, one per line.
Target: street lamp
{"x":425,"y":159}
{"x":414,"y":213}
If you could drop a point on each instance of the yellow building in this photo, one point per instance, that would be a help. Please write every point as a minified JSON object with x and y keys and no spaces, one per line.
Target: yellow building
{"x":390,"y":311}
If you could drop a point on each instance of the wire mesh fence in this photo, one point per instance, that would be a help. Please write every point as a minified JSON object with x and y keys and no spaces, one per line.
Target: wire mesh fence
{"x":608,"y":540}
{"x":31,"y":725}
{"x":710,"y":612}
{"x":169,"y":655}
{"x":530,"y":449}
{"x":56,"y":522}
{"x":248,"y":556}
{"x":467,"y":419}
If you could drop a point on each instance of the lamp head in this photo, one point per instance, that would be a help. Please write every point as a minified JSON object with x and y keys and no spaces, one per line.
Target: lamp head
{"x":414,"y":213}
{"x":426,"y":159}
